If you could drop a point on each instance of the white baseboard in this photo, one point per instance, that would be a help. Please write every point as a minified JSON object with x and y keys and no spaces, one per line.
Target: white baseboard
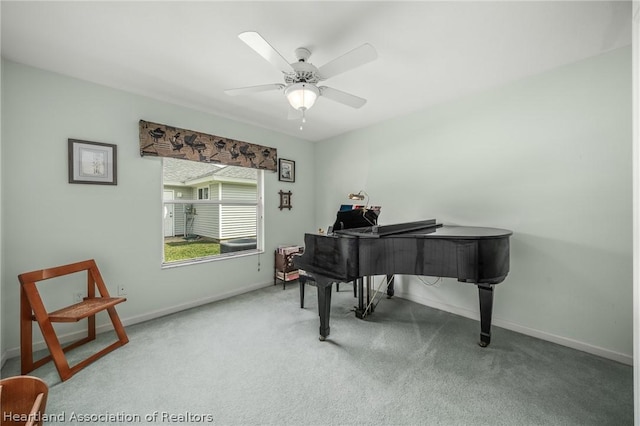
{"x":188,"y":305}
{"x":571,"y":343}
{"x":564,"y":341}
{"x":71,"y":337}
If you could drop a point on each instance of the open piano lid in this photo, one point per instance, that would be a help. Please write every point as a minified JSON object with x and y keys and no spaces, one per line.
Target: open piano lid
{"x":377,"y":231}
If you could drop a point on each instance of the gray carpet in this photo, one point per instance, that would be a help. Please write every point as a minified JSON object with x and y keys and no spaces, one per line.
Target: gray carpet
{"x":255,"y":359}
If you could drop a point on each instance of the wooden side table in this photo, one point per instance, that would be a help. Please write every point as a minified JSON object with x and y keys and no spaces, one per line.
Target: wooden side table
{"x":283,"y":265}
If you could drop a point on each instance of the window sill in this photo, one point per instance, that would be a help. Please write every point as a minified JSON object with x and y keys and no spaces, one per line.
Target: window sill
{"x":216,"y":258}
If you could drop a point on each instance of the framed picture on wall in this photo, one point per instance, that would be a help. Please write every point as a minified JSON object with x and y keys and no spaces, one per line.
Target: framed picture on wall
{"x":285,"y":200}
{"x":92,"y":162}
{"x":286,"y":170}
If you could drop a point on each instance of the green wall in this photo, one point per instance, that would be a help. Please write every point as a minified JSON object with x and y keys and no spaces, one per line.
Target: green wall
{"x":47,"y":221}
{"x":548,"y":157}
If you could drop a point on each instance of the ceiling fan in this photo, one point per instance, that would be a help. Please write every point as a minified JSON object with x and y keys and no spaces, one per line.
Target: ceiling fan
{"x":301,"y":77}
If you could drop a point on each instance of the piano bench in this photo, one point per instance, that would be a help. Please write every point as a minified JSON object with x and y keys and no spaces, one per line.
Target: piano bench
{"x":306,"y":278}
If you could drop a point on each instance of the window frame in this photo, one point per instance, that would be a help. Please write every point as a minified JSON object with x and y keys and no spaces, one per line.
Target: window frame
{"x":258,"y":203}
{"x":203,"y":188}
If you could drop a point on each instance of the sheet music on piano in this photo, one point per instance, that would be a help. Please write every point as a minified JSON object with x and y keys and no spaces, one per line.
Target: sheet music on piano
{"x":352,"y":217}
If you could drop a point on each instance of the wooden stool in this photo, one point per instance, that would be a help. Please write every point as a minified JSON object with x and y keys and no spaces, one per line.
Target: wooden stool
{"x":23,"y":400}
{"x":306,"y":278}
{"x":303,"y":279}
{"x":32,"y":309}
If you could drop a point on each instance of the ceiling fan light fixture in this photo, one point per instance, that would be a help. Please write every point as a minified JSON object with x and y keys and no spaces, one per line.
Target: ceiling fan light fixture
{"x":302,"y":96}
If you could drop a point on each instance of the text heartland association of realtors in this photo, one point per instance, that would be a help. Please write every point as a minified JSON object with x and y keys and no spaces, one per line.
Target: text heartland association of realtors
{"x":107,"y":417}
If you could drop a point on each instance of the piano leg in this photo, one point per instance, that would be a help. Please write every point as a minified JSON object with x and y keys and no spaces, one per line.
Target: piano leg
{"x":324,"y":307}
{"x":369,"y":295}
{"x":360,"y":308}
{"x":486,"y":307}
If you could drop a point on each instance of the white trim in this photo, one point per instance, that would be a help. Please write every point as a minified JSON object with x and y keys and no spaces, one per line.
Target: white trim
{"x":219,"y":197}
{"x":635,"y":70}
{"x":214,"y":202}
{"x":498,"y":322}
{"x":212,"y":258}
{"x":242,"y":181}
{"x":260,"y":212}
{"x":71,"y":337}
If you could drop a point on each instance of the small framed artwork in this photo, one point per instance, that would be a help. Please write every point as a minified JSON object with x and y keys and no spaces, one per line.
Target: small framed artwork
{"x":285,"y":200}
{"x":286,"y":170}
{"x":92,"y":162}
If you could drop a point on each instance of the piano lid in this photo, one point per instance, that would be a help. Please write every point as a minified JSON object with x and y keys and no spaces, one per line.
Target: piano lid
{"x":426,"y":229}
{"x":377,"y":231}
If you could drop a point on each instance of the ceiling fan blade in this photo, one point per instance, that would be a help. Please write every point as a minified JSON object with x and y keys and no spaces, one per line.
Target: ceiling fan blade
{"x":264,"y":49}
{"x":254,"y":89}
{"x":350,"y":60}
{"x":342,"y":97}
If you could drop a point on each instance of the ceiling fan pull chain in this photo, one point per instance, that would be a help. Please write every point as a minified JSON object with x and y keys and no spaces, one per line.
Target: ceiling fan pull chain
{"x":304,"y":118}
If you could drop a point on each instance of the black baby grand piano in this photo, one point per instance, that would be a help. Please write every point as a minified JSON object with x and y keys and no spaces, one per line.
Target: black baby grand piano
{"x":470,"y":254}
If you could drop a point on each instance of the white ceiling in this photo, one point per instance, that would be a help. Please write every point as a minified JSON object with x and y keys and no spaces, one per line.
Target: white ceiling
{"x":429,"y":52}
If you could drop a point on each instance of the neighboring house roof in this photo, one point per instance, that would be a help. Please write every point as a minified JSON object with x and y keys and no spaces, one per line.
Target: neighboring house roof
{"x":177,"y":171}
{"x":238,"y":172}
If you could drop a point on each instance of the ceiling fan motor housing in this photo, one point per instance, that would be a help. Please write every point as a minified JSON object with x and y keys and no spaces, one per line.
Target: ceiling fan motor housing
{"x":304,"y":72}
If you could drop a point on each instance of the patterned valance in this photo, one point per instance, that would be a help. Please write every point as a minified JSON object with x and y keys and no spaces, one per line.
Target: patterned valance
{"x":161,"y":140}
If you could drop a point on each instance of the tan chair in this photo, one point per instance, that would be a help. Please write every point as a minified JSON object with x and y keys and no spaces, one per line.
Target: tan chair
{"x":33,"y":309}
{"x":23,"y":400}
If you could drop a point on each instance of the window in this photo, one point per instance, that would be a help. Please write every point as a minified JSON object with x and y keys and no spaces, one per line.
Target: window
{"x":210,"y":211}
{"x":203,"y":193}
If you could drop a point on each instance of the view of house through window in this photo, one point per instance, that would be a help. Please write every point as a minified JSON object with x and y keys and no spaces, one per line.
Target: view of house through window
{"x":209,"y":210}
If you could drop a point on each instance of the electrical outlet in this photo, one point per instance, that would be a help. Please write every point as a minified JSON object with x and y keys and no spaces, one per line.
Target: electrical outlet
{"x":122,"y":291}
{"x":78,"y":297}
